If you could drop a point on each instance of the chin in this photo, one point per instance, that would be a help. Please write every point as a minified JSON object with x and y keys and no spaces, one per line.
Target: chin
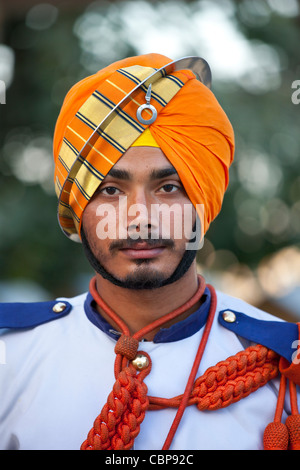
{"x":143,"y":282}
{"x":144,"y":277}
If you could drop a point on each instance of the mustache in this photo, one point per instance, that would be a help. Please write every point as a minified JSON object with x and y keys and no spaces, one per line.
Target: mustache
{"x":150,"y":243}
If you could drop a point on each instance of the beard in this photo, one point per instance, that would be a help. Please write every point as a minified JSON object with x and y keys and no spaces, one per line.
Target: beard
{"x":145,"y":277}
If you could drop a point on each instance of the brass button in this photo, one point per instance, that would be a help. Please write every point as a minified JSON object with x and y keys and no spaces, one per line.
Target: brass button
{"x":140,"y":362}
{"x":229,"y":316}
{"x":59,"y":307}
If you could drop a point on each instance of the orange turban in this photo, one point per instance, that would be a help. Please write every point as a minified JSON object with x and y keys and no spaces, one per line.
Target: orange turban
{"x":191,"y":129}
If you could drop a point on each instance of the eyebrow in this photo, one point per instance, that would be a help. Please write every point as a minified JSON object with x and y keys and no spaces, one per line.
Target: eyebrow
{"x":119,"y":174}
{"x":162,"y":173}
{"x":155,"y":174}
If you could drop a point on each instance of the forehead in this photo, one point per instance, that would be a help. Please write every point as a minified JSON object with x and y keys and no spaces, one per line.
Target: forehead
{"x":137,"y":159}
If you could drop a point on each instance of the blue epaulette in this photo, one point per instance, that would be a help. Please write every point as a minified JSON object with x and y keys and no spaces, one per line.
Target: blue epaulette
{"x":27,"y":315}
{"x":280,"y":336}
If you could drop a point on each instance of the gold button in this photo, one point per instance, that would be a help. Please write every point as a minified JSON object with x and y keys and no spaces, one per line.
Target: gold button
{"x":59,"y":307}
{"x":140,"y":362}
{"x":229,"y":316}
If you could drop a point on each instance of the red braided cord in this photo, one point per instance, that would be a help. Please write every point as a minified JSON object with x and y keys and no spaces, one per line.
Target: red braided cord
{"x":221,"y":385}
{"x":229,"y":381}
{"x":119,"y":421}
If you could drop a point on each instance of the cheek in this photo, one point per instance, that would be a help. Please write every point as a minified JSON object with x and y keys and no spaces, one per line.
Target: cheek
{"x":176,"y":220}
{"x":89,"y":218}
{"x":106,"y":223}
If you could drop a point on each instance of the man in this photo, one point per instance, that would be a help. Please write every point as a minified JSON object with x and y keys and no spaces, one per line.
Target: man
{"x":151,"y":357}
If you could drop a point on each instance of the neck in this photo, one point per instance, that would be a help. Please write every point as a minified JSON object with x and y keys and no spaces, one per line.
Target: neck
{"x":139,"y":308}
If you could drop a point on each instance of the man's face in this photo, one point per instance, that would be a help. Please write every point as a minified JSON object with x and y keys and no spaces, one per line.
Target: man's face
{"x":140,"y":219}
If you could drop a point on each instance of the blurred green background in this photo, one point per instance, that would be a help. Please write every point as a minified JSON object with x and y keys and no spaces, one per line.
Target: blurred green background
{"x":252,"y":46}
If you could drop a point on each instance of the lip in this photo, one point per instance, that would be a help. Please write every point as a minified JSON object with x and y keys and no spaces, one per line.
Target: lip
{"x":142,"y":250}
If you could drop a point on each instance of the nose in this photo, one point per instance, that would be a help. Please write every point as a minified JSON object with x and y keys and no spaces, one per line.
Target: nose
{"x":139,"y":223}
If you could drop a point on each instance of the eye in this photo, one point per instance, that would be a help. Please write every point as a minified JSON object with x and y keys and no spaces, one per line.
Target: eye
{"x":110,"y":191}
{"x":169,"y":188}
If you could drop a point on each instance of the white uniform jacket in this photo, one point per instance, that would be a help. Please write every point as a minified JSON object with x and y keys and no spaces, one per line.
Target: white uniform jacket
{"x":57,"y":363}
